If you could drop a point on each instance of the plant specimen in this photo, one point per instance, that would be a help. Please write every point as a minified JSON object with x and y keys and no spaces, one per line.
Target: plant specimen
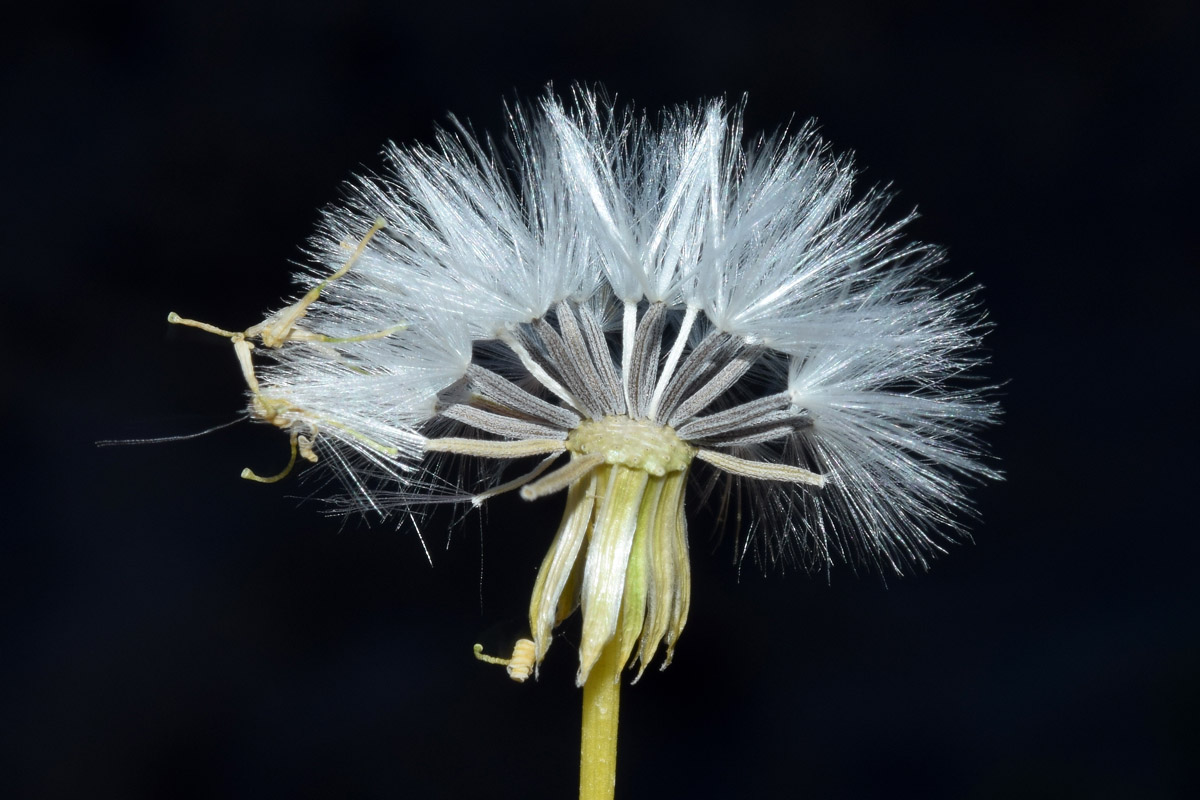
{"x":633,"y":314}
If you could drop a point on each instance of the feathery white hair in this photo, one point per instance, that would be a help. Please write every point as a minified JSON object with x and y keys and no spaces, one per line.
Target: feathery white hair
{"x":602,"y":264}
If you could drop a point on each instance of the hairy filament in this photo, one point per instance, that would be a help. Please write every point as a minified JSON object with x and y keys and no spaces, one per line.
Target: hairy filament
{"x":516,"y":483}
{"x":668,"y":370}
{"x":574,"y":470}
{"x":628,"y":332}
{"x":760,"y":470}
{"x":538,"y":372}
{"x":491,"y":448}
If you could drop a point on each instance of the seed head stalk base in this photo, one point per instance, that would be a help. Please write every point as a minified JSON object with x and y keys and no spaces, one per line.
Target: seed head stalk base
{"x":601,"y":709}
{"x":621,"y":554}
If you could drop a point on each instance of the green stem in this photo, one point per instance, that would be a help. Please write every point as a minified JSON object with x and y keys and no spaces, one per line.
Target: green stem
{"x":601,"y":707}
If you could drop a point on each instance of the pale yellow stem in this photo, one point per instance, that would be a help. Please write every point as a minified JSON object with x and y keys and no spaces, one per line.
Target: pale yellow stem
{"x":601,"y":707}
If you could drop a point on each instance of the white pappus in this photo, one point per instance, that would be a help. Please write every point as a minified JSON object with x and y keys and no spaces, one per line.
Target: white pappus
{"x":608,"y":305}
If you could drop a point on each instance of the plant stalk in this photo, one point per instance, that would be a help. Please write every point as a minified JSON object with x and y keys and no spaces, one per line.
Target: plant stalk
{"x":601,"y":707}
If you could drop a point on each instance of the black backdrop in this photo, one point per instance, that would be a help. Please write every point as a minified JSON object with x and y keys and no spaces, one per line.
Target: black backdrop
{"x":172,"y":631}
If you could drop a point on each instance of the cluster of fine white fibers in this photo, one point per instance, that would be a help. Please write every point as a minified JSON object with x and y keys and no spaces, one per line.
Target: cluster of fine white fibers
{"x":619,"y":306}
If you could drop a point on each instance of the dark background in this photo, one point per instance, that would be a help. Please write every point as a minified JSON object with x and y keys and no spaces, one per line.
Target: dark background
{"x":172,"y":631}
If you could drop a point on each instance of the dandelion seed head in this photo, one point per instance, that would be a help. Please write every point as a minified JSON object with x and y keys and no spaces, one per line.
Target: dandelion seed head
{"x":639,"y":305}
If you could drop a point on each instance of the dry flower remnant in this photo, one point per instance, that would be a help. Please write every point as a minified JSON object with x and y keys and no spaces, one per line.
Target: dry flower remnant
{"x":633,"y":315}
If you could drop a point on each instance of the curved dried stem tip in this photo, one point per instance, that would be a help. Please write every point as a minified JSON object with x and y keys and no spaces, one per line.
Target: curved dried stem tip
{"x":519,"y":666}
{"x":295,"y":441}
